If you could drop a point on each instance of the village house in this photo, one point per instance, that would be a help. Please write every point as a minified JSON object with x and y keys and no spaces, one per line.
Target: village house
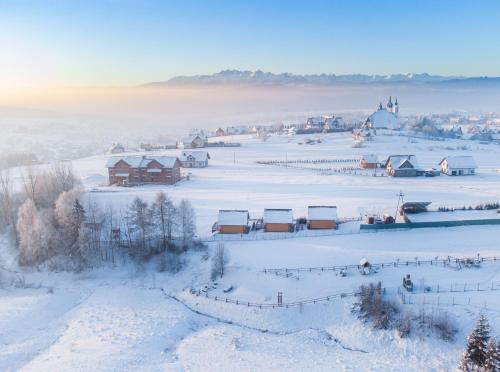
{"x":220,"y":132}
{"x":117,"y":148}
{"x":458,"y":165}
{"x":322,"y":217}
{"x":402,"y":166}
{"x":233,"y":222}
{"x":369,"y":161}
{"x":193,"y":142}
{"x":137,"y":170}
{"x":194,"y":159}
{"x":278,"y":220}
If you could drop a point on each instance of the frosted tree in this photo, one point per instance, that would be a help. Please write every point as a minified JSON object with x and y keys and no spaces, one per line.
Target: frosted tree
{"x":187,"y":222}
{"x":36,"y":233}
{"x":474,"y":356}
{"x":70,"y":216}
{"x":7,"y":203}
{"x":492,"y":362}
{"x":164,"y":217}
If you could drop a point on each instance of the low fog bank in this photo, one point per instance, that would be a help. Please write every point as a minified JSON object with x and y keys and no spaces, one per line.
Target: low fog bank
{"x":68,"y":123}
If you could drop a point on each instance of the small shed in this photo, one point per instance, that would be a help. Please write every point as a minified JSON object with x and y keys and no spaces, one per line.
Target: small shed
{"x":458,"y":166}
{"x":368,"y":161}
{"x":278,"y":220}
{"x":322,"y":217}
{"x":233,"y":221}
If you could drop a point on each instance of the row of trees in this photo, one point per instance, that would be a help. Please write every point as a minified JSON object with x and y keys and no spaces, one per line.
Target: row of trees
{"x":48,"y":219}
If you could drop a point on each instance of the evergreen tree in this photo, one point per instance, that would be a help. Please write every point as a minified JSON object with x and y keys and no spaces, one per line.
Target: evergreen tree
{"x":492,"y":363}
{"x":475,"y":353}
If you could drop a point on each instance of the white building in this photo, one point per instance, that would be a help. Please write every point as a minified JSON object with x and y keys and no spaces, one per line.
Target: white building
{"x":194,"y":159}
{"x":458,"y":165}
{"x":384,"y":117}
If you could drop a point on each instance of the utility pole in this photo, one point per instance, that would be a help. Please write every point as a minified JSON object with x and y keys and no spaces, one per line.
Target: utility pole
{"x":280,"y":298}
{"x":400,"y":199}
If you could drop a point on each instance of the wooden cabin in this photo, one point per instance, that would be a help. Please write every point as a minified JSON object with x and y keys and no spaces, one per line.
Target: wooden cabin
{"x":322,"y":217}
{"x":233,"y":222}
{"x":369,"y":161}
{"x":278,"y":220}
{"x":402,"y":166}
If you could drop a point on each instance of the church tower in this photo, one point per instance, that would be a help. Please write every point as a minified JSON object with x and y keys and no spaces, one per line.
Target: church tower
{"x":390,"y":106}
{"x":396,"y":106}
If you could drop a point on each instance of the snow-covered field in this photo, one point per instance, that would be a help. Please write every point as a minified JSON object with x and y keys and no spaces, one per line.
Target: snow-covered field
{"x":130,"y":318}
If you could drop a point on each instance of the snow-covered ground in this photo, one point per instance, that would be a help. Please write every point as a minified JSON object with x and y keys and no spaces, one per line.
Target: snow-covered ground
{"x":130,"y":318}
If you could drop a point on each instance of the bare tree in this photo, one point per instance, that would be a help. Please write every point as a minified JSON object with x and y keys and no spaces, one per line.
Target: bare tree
{"x":220,"y":259}
{"x":29,"y":178}
{"x":187,"y":223}
{"x":139,"y":223}
{"x":165,"y":216}
{"x":7,"y":204}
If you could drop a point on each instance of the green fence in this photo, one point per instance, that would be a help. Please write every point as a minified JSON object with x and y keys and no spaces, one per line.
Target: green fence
{"x":416,"y":225}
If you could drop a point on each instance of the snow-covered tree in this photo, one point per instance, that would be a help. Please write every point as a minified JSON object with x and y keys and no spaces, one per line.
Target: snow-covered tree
{"x":474,"y":356}
{"x":164,"y":217}
{"x":492,"y":362}
{"x":187,"y":223}
{"x":70,"y":216}
{"x":36,"y":233}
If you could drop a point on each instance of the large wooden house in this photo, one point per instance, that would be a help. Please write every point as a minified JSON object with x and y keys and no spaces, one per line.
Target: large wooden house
{"x":137,"y":170}
{"x":458,"y":166}
{"x":233,"y":222}
{"x":193,"y":142}
{"x":402,"y":166}
{"x":322,"y":217}
{"x":278,"y":220}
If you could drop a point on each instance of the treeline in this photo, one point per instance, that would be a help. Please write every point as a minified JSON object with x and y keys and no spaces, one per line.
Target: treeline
{"x":52,"y":225}
{"x":16,"y":160}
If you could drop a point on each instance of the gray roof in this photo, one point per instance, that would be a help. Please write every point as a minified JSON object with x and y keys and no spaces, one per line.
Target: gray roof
{"x":399,"y":160}
{"x":198,"y":155}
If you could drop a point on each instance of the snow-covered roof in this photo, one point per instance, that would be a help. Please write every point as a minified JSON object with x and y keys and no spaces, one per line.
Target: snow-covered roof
{"x":232,"y":218}
{"x":370,"y":158}
{"x":191,"y":138}
{"x":460,"y":162}
{"x":142,"y":161}
{"x":278,"y":216}
{"x":384,"y":119}
{"x":399,"y":160}
{"x":197,"y":155}
{"x":322,"y":213}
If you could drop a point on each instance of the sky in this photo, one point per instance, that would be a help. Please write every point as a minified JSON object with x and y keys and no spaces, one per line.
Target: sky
{"x":130,"y":42}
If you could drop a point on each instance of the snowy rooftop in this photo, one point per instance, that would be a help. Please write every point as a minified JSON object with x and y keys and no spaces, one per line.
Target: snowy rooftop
{"x":278,"y":216}
{"x":460,"y":162}
{"x":198,"y":155}
{"x":399,"y":160}
{"x":322,"y":213}
{"x":233,"y":218}
{"x":370,"y":158}
{"x":138,"y":161}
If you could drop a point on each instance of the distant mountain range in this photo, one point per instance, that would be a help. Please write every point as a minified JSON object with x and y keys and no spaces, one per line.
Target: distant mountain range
{"x":236,"y":77}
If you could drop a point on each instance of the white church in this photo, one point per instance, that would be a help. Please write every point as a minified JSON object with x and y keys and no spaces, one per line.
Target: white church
{"x":384,"y":117}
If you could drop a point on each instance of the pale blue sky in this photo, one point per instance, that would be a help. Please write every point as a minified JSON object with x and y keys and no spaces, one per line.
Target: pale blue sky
{"x":131,"y":42}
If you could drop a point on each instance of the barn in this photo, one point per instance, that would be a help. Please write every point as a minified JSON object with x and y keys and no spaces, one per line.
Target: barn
{"x":458,"y":166}
{"x":278,"y":220}
{"x":368,"y":161}
{"x":233,"y":221}
{"x":322,"y":217}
